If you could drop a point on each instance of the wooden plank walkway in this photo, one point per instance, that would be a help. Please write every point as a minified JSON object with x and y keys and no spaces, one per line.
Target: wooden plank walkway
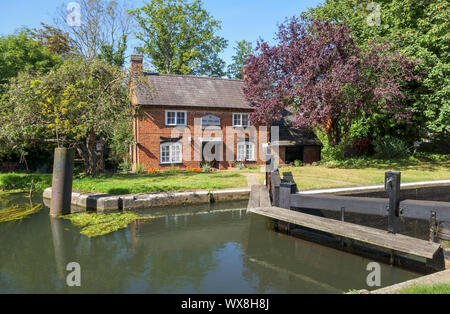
{"x":396,"y":242}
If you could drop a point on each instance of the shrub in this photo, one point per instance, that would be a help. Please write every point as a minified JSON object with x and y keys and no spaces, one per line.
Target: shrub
{"x":140,"y":169}
{"x":298,"y":163}
{"x":174,"y":169}
{"x":330,"y":152}
{"x":239,"y":165}
{"x":391,"y":147}
{"x":22,"y":181}
{"x":206,"y":167}
{"x":125,"y":165}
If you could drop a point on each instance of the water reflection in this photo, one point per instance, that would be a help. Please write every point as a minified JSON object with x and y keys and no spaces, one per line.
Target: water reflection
{"x":203,"y":249}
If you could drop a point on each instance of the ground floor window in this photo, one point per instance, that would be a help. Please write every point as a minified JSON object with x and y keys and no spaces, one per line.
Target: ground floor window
{"x":246,"y":151}
{"x":171,"y":153}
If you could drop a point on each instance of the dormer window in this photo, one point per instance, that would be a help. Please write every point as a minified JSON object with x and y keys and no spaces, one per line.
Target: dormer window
{"x":175,"y":117}
{"x":241,"y":120}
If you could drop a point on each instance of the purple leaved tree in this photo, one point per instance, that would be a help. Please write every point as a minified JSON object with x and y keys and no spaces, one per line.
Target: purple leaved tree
{"x":319,"y":69}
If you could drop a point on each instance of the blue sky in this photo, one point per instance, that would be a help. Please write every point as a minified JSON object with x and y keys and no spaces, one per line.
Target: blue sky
{"x":241,"y":19}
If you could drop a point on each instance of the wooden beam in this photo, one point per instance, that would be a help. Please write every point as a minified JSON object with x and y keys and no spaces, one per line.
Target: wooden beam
{"x":380,"y":238}
{"x":259,"y":197}
{"x":359,"y":205}
{"x":412,"y":209}
{"x":422,"y":210}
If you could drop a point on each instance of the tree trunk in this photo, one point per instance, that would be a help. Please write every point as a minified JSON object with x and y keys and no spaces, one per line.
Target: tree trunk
{"x":88,"y":151}
{"x":332,"y":131}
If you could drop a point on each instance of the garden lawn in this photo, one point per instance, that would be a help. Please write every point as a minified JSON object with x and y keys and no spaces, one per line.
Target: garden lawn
{"x":161,"y":182}
{"x":443,"y":288}
{"x":370,"y":173}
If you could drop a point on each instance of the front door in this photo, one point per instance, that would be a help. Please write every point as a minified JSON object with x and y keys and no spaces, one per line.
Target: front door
{"x":210,"y":154}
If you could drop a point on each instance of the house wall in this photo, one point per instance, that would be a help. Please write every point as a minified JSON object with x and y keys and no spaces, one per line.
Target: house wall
{"x":150,"y":127}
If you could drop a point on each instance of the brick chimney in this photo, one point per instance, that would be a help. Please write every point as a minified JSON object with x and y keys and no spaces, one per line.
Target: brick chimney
{"x":136,"y":63}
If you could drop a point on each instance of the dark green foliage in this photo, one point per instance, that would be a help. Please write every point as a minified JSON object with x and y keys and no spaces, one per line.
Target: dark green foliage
{"x":19,"y":52}
{"x":180,"y":37}
{"x":112,"y":55}
{"x":15,"y":181}
{"x":391,"y":147}
{"x":243,"y":50}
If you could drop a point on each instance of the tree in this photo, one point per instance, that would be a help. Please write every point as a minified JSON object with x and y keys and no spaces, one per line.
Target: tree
{"x":74,"y":105}
{"x":19,"y":52}
{"x":112,"y":56}
{"x":104,"y":26}
{"x":243,"y":51}
{"x":318,"y":68}
{"x":180,"y":38}
{"x":54,"y":39}
{"x":419,"y":28}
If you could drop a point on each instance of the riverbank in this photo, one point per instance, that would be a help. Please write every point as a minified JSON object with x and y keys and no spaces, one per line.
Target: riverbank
{"x":101,"y":203}
{"x":325,"y":176}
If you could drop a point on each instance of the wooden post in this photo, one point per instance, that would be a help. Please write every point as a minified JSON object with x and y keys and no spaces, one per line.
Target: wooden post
{"x":433,"y":228}
{"x":62,"y":182}
{"x":284,"y":199}
{"x":275,"y":182}
{"x":269,"y":170}
{"x":392,"y":186}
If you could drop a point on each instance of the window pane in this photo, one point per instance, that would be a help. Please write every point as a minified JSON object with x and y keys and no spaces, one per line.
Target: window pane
{"x":176,"y":153}
{"x":171,"y":118}
{"x":181,"y":118}
{"x":250,"y":155}
{"x":237,"y":120}
{"x":165,"y":154}
{"x":245,"y":120}
{"x":241,"y":152}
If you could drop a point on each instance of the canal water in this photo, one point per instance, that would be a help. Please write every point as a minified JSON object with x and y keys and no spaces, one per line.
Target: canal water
{"x":204,"y":249}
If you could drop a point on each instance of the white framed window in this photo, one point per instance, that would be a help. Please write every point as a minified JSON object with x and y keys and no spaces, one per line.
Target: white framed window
{"x":241,"y":120}
{"x":246,"y":151}
{"x":175,"y":117}
{"x":171,"y":153}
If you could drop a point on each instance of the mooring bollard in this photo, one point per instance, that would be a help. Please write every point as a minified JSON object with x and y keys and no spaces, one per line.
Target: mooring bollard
{"x":62,"y":182}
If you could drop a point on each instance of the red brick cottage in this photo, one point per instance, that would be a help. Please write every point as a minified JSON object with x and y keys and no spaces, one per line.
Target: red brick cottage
{"x":186,"y":121}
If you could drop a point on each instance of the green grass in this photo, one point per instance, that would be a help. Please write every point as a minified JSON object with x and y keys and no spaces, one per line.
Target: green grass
{"x":160,"y":182}
{"x":443,"y":288}
{"x":349,"y":173}
{"x":360,"y":173}
{"x":132,"y":184}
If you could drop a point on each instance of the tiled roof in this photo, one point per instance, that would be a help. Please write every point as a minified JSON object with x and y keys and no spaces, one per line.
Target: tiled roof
{"x":290,"y":136}
{"x":177,"y":90}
